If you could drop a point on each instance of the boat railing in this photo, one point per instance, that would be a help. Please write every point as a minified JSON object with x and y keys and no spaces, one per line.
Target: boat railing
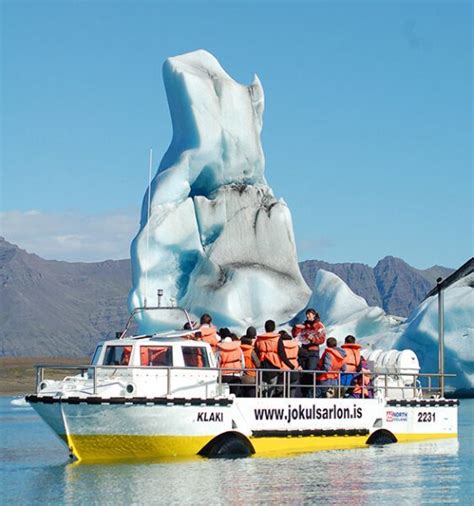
{"x":145,"y":308}
{"x":262,"y":383}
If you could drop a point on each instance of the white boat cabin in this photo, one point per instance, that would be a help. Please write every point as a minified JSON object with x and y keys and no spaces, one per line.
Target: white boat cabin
{"x":146,"y":366}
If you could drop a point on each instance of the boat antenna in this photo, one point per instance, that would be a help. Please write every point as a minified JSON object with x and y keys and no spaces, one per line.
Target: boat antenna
{"x":148,"y":224}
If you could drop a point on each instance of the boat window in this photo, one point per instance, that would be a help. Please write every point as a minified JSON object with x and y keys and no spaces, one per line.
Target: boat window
{"x":156,"y":355}
{"x":95,"y":357}
{"x":117,"y":355}
{"x":195,"y":356}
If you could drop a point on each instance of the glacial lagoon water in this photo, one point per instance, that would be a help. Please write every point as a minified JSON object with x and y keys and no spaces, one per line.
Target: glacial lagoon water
{"x":35,"y":469}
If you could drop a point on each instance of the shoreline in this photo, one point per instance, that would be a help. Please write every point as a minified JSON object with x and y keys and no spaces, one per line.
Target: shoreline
{"x":18,"y":374}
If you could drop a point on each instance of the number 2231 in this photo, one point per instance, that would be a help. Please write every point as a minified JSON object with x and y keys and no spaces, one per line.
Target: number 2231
{"x":426,"y":416}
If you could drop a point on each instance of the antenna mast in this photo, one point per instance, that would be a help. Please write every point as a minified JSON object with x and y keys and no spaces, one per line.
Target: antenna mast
{"x":148,"y":224}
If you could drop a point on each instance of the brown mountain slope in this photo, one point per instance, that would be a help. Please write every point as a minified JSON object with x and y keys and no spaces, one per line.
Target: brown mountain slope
{"x":58,"y":308}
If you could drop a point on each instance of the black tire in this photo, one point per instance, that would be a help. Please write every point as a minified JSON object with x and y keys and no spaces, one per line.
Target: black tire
{"x":381,"y":437}
{"x":230,"y":445}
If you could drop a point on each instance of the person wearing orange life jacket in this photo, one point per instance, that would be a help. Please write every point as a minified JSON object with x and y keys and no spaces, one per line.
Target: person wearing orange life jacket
{"x":252,"y":362}
{"x":208,"y":331}
{"x":310,"y":334}
{"x":266,"y":346}
{"x":231,"y":360}
{"x":352,"y":359}
{"x":288,"y":351}
{"x":361,"y":383}
{"x":332,"y":362}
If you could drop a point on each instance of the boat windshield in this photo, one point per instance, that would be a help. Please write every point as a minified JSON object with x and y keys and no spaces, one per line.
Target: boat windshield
{"x":117,"y":355}
{"x":95,"y":357}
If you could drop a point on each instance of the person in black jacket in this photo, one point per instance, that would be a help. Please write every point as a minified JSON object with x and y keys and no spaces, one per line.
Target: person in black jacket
{"x":288,"y":353}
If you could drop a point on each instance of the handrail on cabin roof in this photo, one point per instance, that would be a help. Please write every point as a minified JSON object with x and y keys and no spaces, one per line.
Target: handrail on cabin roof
{"x":152,"y":308}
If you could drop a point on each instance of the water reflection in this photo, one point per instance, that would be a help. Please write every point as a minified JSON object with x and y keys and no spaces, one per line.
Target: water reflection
{"x":419,"y":472}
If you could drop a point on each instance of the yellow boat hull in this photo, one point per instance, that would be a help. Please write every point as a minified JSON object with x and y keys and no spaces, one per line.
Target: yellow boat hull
{"x":100,"y":448}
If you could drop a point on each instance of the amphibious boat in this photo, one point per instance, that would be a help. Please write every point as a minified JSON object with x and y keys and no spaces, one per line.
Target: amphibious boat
{"x":161,"y":395}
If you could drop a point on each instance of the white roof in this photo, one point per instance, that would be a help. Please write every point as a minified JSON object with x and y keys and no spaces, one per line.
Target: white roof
{"x":172,"y":337}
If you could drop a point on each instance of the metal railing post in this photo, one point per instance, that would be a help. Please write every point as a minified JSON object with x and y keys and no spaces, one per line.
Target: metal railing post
{"x":441,"y":335}
{"x":38,"y":378}
{"x":94,"y":380}
{"x":258,"y":391}
{"x":168,"y":381}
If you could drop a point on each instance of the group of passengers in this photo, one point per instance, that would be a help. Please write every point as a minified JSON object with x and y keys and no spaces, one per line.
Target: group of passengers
{"x":340,"y":369}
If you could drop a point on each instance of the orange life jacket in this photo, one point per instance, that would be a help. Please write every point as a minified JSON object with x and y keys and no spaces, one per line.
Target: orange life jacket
{"x":267,"y":348}
{"x":352,"y":356}
{"x":291,"y":350}
{"x":247,"y":350}
{"x":360,"y":390}
{"x":209,"y":335}
{"x":361,"y":384}
{"x":337,"y":361}
{"x":230,"y":357}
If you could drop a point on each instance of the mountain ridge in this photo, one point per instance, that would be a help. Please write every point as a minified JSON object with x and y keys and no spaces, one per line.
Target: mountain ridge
{"x":92,"y":297}
{"x":392,"y":284}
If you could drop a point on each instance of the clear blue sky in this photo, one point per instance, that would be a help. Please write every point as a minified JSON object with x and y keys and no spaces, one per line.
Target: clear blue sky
{"x":367,"y":130}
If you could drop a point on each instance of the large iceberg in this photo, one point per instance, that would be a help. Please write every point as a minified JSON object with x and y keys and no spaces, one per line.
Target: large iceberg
{"x":420,"y":333}
{"x":216,"y":239}
{"x":345,"y":313}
